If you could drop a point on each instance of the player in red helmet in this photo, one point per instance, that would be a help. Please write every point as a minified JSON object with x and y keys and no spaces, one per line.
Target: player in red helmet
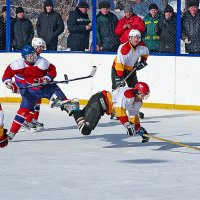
{"x":124,"y":101}
{"x":131,"y":57}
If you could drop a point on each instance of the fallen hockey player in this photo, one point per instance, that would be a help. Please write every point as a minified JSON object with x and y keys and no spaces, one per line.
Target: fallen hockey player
{"x":124,"y":101}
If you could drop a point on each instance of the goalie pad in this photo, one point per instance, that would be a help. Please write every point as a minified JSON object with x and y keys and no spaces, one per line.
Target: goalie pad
{"x":93,"y":115}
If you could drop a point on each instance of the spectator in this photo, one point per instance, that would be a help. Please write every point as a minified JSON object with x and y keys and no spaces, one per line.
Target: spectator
{"x":151,"y":38}
{"x":166,"y":29}
{"x":49,"y":26}
{"x":3,"y":29}
{"x":23,"y":32}
{"x":190,"y":28}
{"x":119,"y":10}
{"x":106,"y":24}
{"x":79,"y":26}
{"x":128,"y":22}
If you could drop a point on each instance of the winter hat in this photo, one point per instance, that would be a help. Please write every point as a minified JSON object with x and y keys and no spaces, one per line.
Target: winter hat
{"x":19,"y":10}
{"x":128,"y":9}
{"x":3,"y":9}
{"x":168,"y":8}
{"x":153,"y":6}
{"x":191,"y":3}
{"x":83,"y":4}
{"x":48,"y":3}
{"x":104,"y":4}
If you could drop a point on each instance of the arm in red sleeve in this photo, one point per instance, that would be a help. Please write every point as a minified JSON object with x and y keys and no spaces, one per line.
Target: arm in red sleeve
{"x":51,"y":72}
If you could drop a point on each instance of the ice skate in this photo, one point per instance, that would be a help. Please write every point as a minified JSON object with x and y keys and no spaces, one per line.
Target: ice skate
{"x":39,"y":126}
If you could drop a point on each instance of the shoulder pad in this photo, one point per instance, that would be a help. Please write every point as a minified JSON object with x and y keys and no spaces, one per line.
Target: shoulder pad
{"x":129,"y":93}
{"x":125,"y":48}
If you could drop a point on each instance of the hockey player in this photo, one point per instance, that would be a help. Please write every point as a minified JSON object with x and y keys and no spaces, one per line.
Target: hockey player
{"x":127,"y":61}
{"x":3,"y":131}
{"x":124,"y":101}
{"x":36,"y":71}
{"x":31,"y":123}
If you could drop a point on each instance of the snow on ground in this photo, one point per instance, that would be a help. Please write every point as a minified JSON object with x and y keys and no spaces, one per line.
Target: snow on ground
{"x":61,"y":164}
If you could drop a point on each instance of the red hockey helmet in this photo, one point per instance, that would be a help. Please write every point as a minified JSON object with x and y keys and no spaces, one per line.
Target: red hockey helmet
{"x":142,"y":88}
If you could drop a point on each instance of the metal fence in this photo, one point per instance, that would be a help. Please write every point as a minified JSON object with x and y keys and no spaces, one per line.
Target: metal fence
{"x":17,"y":30}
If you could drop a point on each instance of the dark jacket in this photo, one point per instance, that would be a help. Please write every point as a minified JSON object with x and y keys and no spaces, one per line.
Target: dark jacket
{"x":166,"y":29}
{"x":106,"y":37}
{"x":23,"y":33}
{"x":2,"y":33}
{"x":191,"y":28}
{"x":150,"y":37}
{"x":49,"y":26}
{"x":78,"y":38}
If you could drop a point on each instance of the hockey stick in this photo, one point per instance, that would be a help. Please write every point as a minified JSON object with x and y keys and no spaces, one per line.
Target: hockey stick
{"x":94,"y":69}
{"x":124,"y":80}
{"x":172,"y":142}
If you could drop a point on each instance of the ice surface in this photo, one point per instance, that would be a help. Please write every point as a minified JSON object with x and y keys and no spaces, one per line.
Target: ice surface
{"x":61,"y":164}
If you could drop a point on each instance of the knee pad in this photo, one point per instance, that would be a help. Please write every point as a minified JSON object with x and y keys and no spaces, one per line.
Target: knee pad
{"x":93,"y":115}
{"x":84,"y":129}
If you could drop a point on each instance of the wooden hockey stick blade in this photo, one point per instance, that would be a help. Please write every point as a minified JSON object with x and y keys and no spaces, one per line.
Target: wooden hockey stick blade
{"x":172,"y":142}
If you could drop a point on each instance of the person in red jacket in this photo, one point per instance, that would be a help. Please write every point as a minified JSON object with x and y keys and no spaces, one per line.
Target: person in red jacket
{"x":127,"y":23}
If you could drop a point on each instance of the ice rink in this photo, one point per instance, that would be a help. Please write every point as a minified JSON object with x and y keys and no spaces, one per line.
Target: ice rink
{"x":61,"y":164}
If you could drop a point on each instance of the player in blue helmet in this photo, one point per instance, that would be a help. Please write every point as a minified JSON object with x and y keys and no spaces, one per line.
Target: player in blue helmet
{"x":37,"y":72}
{"x":29,"y":54}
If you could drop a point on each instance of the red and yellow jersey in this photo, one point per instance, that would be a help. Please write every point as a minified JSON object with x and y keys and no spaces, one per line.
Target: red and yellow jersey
{"x":41,"y":68}
{"x":127,"y":56}
{"x":122,"y":101}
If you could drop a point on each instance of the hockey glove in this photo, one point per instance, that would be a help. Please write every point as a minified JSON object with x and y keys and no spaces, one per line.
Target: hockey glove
{"x":41,"y":81}
{"x":130,"y":128}
{"x":140,"y":65}
{"x":12,"y":86}
{"x":142,"y":132}
{"x":3,"y":137}
{"x":119,"y":81}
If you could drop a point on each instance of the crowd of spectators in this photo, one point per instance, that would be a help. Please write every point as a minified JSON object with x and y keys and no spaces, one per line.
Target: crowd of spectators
{"x":158,"y":28}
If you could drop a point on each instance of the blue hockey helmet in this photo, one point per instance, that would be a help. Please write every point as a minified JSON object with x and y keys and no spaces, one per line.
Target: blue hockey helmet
{"x":29,"y":54}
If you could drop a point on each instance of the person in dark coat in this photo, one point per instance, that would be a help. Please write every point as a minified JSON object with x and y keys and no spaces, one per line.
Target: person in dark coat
{"x":190,"y":27}
{"x":79,"y":26}
{"x":107,"y":40}
{"x":49,"y":26}
{"x":166,"y":29}
{"x":3,"y":29}
{"x":23,"y":32}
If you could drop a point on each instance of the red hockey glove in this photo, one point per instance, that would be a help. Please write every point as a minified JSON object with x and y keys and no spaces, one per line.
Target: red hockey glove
{"x":13,"y":86}
{"x":3,"y":137}
{"x":41,"y":81}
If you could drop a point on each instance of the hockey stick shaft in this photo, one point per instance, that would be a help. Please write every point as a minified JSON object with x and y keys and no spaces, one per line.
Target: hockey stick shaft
{"x":127,"y":77}
{"x":172,"y":142}
{"x":94,"y":69}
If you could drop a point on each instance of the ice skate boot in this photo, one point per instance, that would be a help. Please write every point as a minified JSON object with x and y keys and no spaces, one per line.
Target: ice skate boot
{"x":69,"y":106}
{"x":39,"y":126}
